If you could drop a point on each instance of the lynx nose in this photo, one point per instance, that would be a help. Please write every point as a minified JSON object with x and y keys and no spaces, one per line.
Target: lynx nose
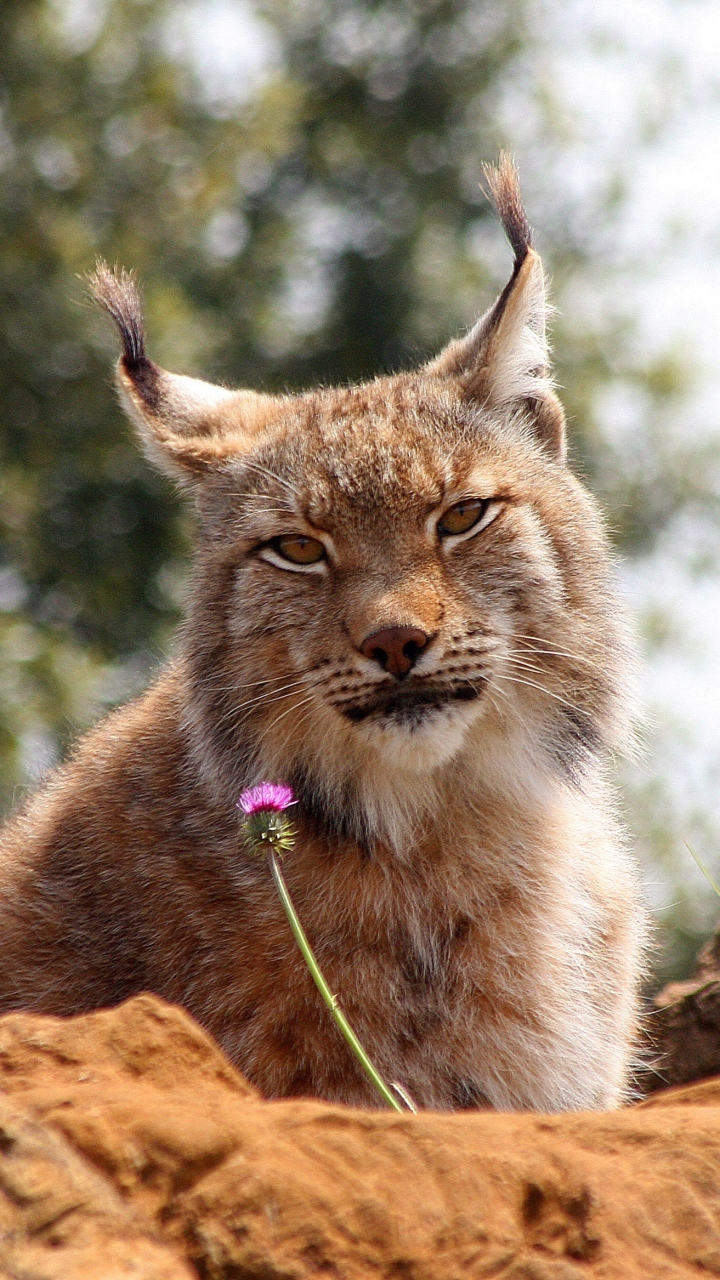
{"x":396,"y":649}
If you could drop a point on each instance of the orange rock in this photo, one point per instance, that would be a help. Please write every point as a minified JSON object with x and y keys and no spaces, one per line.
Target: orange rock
{"x":702,"y":1093}
{"x":145,"y":1139}
{"x":61,"y":1220}
{"x":143,"y":1038}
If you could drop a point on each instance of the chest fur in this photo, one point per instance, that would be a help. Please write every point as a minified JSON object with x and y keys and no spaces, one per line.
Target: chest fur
{"x":428,"y":960}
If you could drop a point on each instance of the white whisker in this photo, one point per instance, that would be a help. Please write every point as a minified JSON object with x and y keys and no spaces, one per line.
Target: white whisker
{"x":275,"y":696}
{"x":294,"y":707}
{"x":265,"y":471}
{"x":237,"y":711}
{"x":532,"y":684}
{"x":552,"y":653}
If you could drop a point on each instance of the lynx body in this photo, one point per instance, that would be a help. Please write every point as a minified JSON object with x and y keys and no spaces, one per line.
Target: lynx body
{"x":402,"y":605}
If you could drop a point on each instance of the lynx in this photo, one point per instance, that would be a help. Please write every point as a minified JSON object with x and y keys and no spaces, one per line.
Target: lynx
{"x":402,"y":605}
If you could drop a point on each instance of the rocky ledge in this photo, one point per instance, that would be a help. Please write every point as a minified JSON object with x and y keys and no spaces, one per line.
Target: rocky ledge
{"x":129,"y":1147}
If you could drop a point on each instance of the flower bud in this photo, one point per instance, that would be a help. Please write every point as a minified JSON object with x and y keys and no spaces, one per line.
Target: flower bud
{"x":266,"y":824}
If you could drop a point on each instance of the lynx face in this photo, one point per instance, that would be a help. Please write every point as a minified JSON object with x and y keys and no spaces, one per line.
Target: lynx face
{"x":393,"y":565}
{"x":394,"y":579}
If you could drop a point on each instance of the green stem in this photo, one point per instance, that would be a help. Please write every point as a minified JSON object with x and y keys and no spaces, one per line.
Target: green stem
{"x":323,"y":988}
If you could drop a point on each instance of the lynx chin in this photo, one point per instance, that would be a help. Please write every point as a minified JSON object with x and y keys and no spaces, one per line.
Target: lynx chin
{"x":403,"y":607}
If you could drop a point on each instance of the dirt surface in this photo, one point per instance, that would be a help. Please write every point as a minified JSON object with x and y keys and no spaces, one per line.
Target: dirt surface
{"x":129,"y":1147}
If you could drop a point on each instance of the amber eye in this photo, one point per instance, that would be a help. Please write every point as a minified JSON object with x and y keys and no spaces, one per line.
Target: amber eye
{"x":299,"y":549}
{"x":462,"y":516}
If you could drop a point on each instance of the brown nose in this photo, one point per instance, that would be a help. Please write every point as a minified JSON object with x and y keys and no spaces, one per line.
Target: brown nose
{"x":397,"y":649}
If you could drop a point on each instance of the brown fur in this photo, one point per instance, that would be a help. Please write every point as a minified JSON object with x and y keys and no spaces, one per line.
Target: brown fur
{"x":458,"y":867}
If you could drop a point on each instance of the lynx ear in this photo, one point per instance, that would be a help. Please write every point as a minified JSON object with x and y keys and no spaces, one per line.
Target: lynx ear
{"x":187,"y":427}
{"x":504,"y":360}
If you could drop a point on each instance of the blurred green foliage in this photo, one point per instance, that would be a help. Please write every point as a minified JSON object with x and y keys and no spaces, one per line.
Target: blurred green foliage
{"x":309,"y":230}
{"x":317,"y":218}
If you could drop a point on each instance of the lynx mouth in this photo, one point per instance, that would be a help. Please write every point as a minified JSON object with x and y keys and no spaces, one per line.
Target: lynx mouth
{"x":411,"y":705}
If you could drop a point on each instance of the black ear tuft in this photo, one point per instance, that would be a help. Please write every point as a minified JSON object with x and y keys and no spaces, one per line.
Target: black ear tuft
{"x":504,"y":190}
{"x":116,"y":291}
{"x":504,"y":360}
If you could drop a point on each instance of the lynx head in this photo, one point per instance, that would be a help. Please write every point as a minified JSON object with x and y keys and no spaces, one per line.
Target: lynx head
{"x":398,"y":585}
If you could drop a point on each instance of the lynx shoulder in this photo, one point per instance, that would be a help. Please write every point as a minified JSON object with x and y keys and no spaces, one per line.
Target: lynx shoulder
{"x":402,"y":604}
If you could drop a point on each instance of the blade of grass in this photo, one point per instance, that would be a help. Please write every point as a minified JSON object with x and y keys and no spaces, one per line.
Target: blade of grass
{"x":704,"y":870}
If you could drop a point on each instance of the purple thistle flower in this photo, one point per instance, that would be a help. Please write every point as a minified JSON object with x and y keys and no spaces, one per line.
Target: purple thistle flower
{"x":266,"y":795}
{"x":265,"y":822}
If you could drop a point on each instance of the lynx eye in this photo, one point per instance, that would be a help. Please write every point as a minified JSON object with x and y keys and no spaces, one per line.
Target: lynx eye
{"x":462,"y":517}
{"x":298,"y":548}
